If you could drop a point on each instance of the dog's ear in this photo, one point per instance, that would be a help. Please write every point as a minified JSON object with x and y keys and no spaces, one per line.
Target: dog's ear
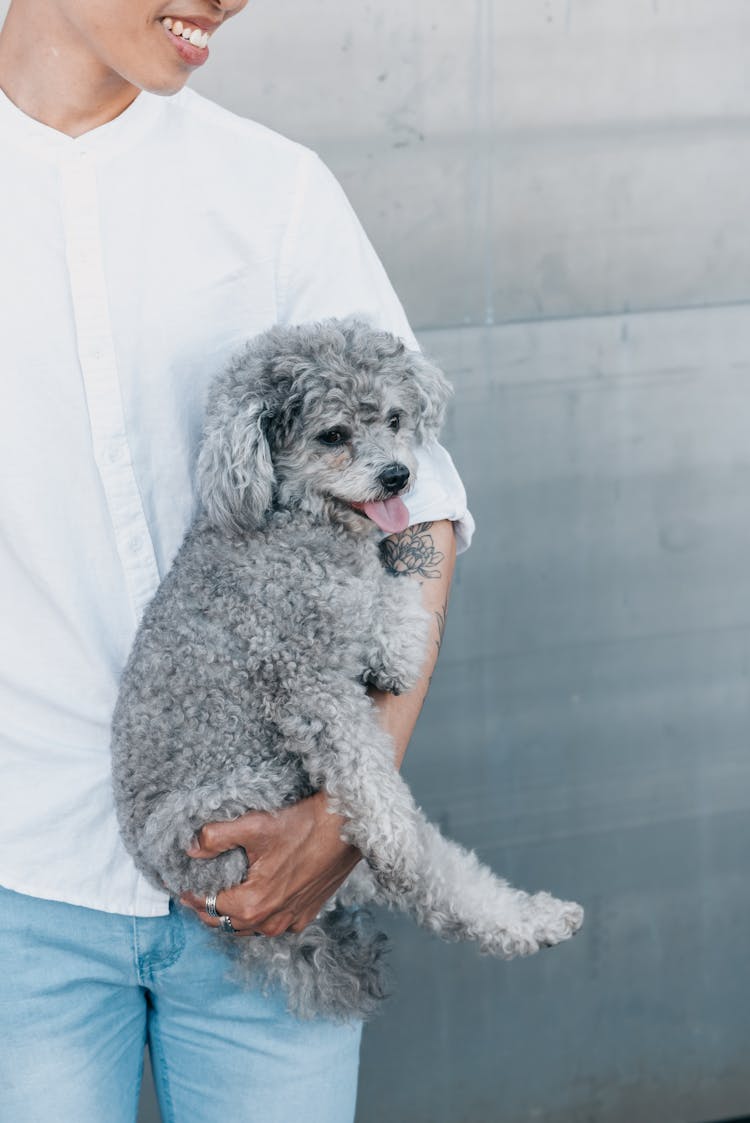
{"x":235,"y":472}
{"x":434,"y":391}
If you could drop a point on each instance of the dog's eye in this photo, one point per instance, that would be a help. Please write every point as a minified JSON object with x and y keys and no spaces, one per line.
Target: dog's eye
{"x":333,"y":437}
{"x":394,"y":422}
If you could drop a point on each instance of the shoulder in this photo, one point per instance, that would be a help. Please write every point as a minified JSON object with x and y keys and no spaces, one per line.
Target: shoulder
{"x":211,"y":130}
{"x":247,"y":170}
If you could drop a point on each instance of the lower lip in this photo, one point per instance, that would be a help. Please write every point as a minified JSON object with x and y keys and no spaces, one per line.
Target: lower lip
{"x":195,"y":56}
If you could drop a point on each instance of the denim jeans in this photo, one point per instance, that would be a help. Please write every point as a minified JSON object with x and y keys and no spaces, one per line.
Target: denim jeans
{"x":82,"y":992}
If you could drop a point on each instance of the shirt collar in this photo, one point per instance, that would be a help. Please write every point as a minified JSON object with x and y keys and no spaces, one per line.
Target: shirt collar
{"x":48,"y":143}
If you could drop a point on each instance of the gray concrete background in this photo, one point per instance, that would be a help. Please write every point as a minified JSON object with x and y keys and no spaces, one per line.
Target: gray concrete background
{"x":558,"y":189}
{"x":523,"y":158}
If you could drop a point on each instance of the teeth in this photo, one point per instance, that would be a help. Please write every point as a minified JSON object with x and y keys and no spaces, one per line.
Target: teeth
{"x":192,"y":35}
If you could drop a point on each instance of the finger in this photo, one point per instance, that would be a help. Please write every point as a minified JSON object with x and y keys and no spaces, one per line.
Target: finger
{"x":213,"y":839}
{"x":198,"y":904}
{"x":246,"y":914}
{"x":246,"y":922}
{"x":240,"y":929}
{"x":301,"y":923}
{"x":276,"y":925}
{"x":216,"y":838}
{"x":192,"y":901}
{"x":237,"y":928}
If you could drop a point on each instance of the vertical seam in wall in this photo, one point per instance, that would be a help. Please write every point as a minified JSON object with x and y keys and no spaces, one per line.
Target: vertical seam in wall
{"x":488,"y":78}
{"x":480,"y":197}
{"x":481,"y":187}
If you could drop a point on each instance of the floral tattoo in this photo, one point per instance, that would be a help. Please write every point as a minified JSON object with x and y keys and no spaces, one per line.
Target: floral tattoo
{"x":412,"y":553}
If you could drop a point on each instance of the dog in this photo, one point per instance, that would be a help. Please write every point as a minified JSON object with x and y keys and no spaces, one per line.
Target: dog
{"x":246,"y":687}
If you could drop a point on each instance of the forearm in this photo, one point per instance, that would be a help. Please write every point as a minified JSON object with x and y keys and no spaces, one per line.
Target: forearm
{"x":424,"y":553}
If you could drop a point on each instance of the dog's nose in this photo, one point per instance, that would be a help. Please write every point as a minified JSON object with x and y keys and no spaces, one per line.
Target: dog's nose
{"x":394,"y":477}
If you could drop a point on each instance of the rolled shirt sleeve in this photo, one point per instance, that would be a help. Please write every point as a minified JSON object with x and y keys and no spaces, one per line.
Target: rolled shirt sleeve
{"x":328,"y":267}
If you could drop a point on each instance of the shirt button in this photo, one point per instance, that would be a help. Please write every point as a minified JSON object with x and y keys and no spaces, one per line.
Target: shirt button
{"x":136,"y":543}
{"x":113,"y":454}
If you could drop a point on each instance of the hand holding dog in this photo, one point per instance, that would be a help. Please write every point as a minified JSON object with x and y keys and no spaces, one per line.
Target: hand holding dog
{"x":244,"y":688}
{"x":296,"y":860}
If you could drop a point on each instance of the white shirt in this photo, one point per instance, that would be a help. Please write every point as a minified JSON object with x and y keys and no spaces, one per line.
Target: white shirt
{"x":135,"y":260}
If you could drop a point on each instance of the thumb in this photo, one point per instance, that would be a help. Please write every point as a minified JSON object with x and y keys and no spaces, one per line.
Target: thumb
{"x":216,"y":838}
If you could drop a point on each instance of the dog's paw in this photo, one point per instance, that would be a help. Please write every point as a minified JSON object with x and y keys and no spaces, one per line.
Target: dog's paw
{"x":554,"y":920}
{"x":388,"y":680}
{"x":544,"y":922}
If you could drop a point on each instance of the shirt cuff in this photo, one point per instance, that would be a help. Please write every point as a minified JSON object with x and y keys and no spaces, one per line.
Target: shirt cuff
{"x":439,"y":494}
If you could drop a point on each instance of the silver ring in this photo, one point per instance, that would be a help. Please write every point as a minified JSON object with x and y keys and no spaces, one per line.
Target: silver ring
{"x":225,"y":924}
{"x":211,"y":905}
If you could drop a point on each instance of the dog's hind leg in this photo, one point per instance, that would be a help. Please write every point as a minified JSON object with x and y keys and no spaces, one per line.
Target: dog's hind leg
{"x":334,"y":968}
{"x":169,"y":830}
{"x":160,"y":841}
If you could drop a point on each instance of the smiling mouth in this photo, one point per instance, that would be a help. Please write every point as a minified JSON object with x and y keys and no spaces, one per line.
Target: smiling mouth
{"x":181,"y":29}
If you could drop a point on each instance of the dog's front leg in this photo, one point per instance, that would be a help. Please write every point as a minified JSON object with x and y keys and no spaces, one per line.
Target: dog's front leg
{"x":396,"y":634}
{"x":456,"y":897}
{"x":352,"y":758}
{"x":459,"y":898}
{"x":442,"y":885}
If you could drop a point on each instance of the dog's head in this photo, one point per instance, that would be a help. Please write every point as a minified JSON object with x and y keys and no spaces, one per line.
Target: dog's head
{"x":323,"y":418}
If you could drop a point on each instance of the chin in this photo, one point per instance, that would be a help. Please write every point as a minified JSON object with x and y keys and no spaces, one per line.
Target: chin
{"x":166,"y":90}
{"x":155,"y":74}
{"x":163,"y":85}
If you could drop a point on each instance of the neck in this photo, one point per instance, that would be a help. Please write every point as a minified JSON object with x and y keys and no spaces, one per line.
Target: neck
{"x":47,"y":71}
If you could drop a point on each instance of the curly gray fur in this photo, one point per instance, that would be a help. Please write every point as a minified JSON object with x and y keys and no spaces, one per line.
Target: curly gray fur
{"x":245,"y":688}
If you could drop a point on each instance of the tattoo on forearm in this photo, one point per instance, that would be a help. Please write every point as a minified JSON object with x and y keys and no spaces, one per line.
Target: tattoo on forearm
{"x":440,"y":617}
{"x":412,"y":553}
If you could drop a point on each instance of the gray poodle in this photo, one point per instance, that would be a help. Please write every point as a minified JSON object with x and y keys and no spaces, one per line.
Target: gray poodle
{"x":247,"y":684}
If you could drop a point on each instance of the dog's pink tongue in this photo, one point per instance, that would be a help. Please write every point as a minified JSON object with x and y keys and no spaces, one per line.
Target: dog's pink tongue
{"x":390,"y":515}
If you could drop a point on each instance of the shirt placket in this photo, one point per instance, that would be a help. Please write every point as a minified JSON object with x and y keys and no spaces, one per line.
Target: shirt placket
{"x":98,"y":362}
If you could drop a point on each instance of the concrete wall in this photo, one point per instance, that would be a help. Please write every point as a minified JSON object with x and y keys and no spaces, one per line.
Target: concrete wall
{"x":588,"y":731}
{"x":558,"y":190}
{"x":534,"y":172}
{"x":531,"y":158}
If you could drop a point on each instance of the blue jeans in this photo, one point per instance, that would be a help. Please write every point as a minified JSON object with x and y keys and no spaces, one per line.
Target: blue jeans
{"x":82,"y":991}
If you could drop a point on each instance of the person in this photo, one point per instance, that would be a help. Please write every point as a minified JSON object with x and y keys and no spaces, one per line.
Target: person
{"x":146,"y":234}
